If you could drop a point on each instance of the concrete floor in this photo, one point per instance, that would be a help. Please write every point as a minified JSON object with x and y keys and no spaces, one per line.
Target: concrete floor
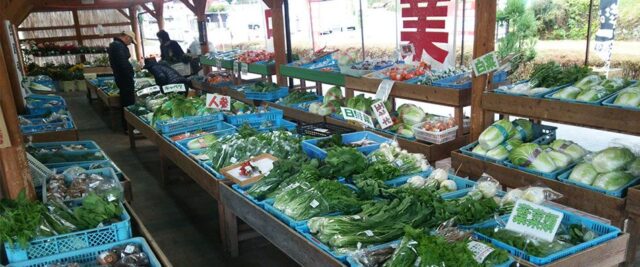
{"x":181,"y":216}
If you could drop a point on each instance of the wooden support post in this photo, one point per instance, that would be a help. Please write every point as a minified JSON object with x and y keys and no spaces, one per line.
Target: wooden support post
{"x":20,"y":54}
{"x":76,"y":26}
{"x":5,"y":41}
{"x":279,"y":46}
{"x":133,"y":14}
{"x":158,"y":7}
{"x":14,"y":170}
{"x":199,"y":9}
{"x":482,"y":44}
{"x":124,"y":13}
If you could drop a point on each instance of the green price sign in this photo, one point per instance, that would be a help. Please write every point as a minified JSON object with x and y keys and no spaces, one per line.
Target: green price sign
{"x":357,"y":115}
{"x":534,"y":220}
{"x":486,"y":63}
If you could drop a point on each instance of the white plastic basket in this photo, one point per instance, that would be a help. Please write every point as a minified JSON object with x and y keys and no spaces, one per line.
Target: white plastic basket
{"x":434,"y":137}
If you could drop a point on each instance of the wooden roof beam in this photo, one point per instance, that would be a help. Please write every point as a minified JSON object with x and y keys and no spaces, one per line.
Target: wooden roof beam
{"x":124,"y":13}
{"x":158,"y":7}
{"x":16,"y":10}
{"x":60,"y":5}
{"x":189,"y":5}
{"x":70,"y":38}
{"x":151,"y":12}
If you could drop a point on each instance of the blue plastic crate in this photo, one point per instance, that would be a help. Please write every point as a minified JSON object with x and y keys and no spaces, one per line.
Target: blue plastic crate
{"x":88,"y":256}
{"x":537,"y":95}
{"x":305,"y":105}
{"x":79,"y":152}
{"x":243,"y":191}
{"x":58,"y":145}
{"x":400,"y":180}
{"x":268,"y":206}
{"x":341,"y":257}
{"x":609,"y":102}
{"x":606,"y":232}
{"x":449,"y":82}
{"x":173,"y":125}
{"x":598,"y":102}
{"x":461,"y":183}
{"x":310,"y":148}
{"x":467,"y":150}
{"x":99,"y":82}
{"x":218,"y":128}
{"x":271,"y":114}
{"x":41,"y":100}
{"x":616,"y":193}
{"x":107,"y":173}
{"x":269,"y":126}
{"x":395,"y":134}
{"x":266,"y":96}
{"x":49,"y":127}
{"x":54,"y":245}
{"x":92,"y":166}
{"x":549,"y":175}
{"x":207,"y":165}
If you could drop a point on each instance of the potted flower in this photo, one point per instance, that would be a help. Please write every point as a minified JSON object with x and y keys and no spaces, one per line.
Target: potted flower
{"x":77,"y":72}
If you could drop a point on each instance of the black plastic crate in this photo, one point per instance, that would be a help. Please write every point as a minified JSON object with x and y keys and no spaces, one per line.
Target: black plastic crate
{"x":322,"y":129}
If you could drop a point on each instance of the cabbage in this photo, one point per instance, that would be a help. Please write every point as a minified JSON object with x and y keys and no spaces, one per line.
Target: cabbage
{"x":502,"y":151}
{"x":495,"y":134}
{"x":561,"y":160}
{"x":588,"y":82}
{"x":583,"y":173}
{"x":592,"y":94}
{"x":613,"y":84}
{"x":612,"y":180}
{"x":634,"y":168}
{"x":523,"y":129}
{"x":334,"y":93}
{"x":531,"y":156}
{"x":570,"y":92}
{"x":410,"y":114}
{"x":570,"y":148}
{"x":612,"y":159}
{"x":405,"y":130}
{"x":479,"y":150}
{"x":630,"y":97}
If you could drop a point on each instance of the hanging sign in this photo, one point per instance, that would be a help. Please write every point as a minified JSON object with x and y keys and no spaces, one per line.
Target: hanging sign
{"x":244,"y":68}
{"x":485,"y":63}
{"x":236,"y":67}
{"x":174,"y":88}
{"x":148,"y":90}
{"x":382,"y":115}
{"x":534,"y":220}
{"x":384,"y":89}
{"x":4,"y":134}
{"x":356,"y":115}
{"x":608,"y":14}
{"x":216,"y":101}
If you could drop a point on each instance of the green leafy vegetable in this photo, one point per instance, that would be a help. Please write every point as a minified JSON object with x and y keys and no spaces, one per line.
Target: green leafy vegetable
{"x":495,"y":134}
{"x":530,"y":155}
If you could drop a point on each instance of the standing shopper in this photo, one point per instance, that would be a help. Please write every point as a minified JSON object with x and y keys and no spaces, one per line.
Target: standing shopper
{"x":170,"y":51}
{"x":122,"y":70}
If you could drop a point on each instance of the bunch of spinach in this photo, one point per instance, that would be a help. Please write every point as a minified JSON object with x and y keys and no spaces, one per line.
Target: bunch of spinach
{"x":343,"y":162}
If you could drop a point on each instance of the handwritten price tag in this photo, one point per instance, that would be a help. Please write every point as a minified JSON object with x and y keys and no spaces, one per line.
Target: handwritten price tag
{"x":148,"y":90}
{"x":382,"y":115}
{"x":485,"y":64}
{"x":356,"y":115}
{"x":534,"y":220}
{"x":174,"y":88}
{"x":216,"y":101}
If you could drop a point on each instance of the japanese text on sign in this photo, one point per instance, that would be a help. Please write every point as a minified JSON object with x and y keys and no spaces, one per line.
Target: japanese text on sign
{"x":534,"y":220}
{"x":4,"y":134}
{"x":356,"y":115}
{"x":382,"y":115}
{"x":148,"y":90}
{"x":485,"y":64}
{"x":216,"y":101}
{"x":427,"y":28}
{"x":244,"y":68}
{"x":174,"y":88}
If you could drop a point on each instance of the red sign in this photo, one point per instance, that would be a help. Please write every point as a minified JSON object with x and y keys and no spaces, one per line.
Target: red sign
{"x":219,"y":102}
{"x":267,"y":17}
{"x":427,"y":25}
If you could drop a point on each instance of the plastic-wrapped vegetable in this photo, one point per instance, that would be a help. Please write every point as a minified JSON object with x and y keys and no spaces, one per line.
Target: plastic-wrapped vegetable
{"x":479,"y":150}
{"x":559,"y":158}
{"x":593,"y":94}
{"x":523,"y":129}
{"x":530,"y":155}
{"x":495,"y":134}
{"x":634,"y":168}
{"x":612,"y":180}
{"x":570,"y":92}
{"x":588,"y":82}
{"x":612,"y":159}
{"x":613,"y":84}
{"x":629,"y":97}
{"x":502,"y":151}
{"x":570,"y":148}
{"x":583,"y":173}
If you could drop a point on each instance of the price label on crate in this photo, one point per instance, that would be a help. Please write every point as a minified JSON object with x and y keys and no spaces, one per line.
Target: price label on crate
{"x":219,"y":63}
{"x":216,"y":101}
{"x":174,"y":88}
{"x":480,"y":251}
{"x":486,"y":63}
{"x":382,"y":115}
{"x":244,"y":68}
{"x":534,"y":220}
{"x":148,"y":90}
{"x":384,"y":89}
{"x":356,"y":115}
{"x":236,"y":67}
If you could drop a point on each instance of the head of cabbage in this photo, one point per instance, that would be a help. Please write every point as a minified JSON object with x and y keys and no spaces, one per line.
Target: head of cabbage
{"x":612,"y":180}
{"x":410,"y":114}
{"x":495,"y":134}
{"x":570,"y":148}
{"x":612,"y":159}
{"x":523,"y":129}
{"x":531,"y":156}
{"x":570,"y":92}
{"x":629,"y":97}
{"x":501,"y":152}
{"x":588,"y":82}
{"x":583,"y":173}
{"x":334,"y":93}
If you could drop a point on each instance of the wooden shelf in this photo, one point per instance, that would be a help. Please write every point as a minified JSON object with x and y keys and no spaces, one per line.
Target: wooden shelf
{"x":262,"y":69}
{"x":328,"y":77}
{"x":583,"y":199}
{"x":598,"y":117}
{"x":111,"y":101}
{"x":298,"y":115}
{"x":422,"y":93}
{"x":282,"y":236}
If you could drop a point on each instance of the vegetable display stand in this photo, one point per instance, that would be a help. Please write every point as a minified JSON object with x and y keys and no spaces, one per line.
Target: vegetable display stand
{"x":92,"y":91}
{"x":262,"y":68}
{"x":111,"y":103}
{"x":333,"y":78}
{"x":298,"y":115}
{"x":53,"y":136}
{"x":134,"y":122}
{"x":605,"y":206}
{"x":433,"y":152}
{"x":98,"y":70}
{"x":282,"y":236}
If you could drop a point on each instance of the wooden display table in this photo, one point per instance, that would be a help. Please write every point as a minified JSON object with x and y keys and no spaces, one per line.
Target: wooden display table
{"x":139,"y":229}
{"x":53,"y":136}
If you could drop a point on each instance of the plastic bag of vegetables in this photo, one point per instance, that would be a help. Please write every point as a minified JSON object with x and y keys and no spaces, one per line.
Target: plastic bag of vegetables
{"x":438,"y":181}
{"x":495,"y":134}
{"x":588,"y":82}
{"x":629,"y":97}
{"x":534,"y":194}
{"x":532,"y":156}
{"x":609,"y":169}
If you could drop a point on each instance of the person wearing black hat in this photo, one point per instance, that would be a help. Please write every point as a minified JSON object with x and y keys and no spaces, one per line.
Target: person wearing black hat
{"x":164,"y":74}
{"x":122,"y":70}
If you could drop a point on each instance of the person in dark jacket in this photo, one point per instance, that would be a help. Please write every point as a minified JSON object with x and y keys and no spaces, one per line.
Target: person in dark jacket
{"x":170,"y":51}
{"x":122,"y":70}
{"x":164,"y":74}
